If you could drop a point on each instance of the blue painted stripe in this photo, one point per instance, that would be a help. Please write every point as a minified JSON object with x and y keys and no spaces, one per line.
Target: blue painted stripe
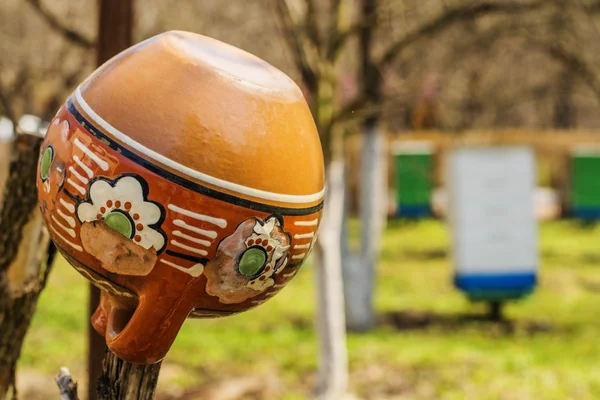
{"x":414,"y":210}
{"x":496,"y":287}
{"x":586,"y":213}
{"x":478,"y":282}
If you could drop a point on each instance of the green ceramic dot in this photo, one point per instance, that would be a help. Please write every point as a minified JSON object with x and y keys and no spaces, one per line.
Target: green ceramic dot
{"x":119,"y":222}
{"x":45,"y":162}
{"x":252,"y":261}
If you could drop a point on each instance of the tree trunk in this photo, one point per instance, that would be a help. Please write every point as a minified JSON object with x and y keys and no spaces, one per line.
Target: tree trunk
{"x":26,"y":253}
{"x":115,"y":34}
{"x":359,"y":282}
{"x":123,"y":381}
{"x":564,"y":109}
{"x":333,"y":362}
{"x":359,"y":274}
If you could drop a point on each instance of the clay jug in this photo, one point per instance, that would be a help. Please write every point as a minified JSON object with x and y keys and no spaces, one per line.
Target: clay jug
{"x":184,"y":178}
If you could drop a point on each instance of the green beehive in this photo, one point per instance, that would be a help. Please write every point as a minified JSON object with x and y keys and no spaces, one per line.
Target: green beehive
{"x":413,"y":162}
{"x":585,"y":183}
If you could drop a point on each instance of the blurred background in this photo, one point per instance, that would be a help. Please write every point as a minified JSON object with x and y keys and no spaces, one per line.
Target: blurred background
{"x":396,"y":87}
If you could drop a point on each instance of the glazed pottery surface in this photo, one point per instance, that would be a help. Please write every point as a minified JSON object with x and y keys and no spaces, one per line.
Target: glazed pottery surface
{"x":183,"y":178}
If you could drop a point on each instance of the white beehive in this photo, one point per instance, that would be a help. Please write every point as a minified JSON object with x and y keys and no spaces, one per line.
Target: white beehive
{"x":491,"y":204}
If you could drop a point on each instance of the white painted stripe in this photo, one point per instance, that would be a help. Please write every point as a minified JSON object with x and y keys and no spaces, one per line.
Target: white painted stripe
{"x":82,"y":178}
{"x":189,"y":248}
{"x":298,"y":256}
{"x":248,"y":191}
{"x":101,"y":163}
{"x":220,"y":222}
{"x":194,"y":271}
{"x":70,"y":231}
{"x":201,"y":242}
{"x":301,"y":246}
{"x":69,"y":220}
{"x":76,"y":186}
{"x":282,"y":266}
{"x":280,"y":285}
{"x":84,"y":167}
{"x":64,"y":239}
{"x":102,"y":284}
{"x":180,"y":223}
{"x":289,"y":274}
{"x":304,"y":235}
{"x":314,"y":222}
{"x":68,"y":206}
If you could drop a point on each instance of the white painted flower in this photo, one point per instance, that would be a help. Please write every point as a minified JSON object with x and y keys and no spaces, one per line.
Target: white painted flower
{"x":123,"y":207}
{"x":264,"y":242}
{"x":267,"y":228}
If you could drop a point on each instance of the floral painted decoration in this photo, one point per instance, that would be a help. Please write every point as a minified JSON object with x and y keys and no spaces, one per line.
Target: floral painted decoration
{"x":53,"y":159}
{"x":247,"y":260}
{"x":263,"y":255}
{"x":123,"y":207}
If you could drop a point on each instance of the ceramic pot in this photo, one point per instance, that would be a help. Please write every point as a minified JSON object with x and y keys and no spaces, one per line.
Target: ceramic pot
{"x":184,"y":178}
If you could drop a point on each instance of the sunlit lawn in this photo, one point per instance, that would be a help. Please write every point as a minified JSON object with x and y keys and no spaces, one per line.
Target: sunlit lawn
{"x":551,"y":349}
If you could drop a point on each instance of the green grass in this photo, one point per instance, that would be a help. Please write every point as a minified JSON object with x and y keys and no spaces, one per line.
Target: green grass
{"x":550,"y":350}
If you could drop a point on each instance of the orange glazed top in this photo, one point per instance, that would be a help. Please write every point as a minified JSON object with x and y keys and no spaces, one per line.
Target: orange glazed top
{"x":211,"y":113}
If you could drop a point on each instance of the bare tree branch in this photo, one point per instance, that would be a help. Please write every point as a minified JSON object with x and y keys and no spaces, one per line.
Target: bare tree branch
{"x":6,"y":105}
{"x":351,"y":109}
{"x":451,"y":16}
{"x":573,"y":61}
{"x":304,"y":53}
{"x":370,"y":75}
{"x":592,"y":8}
{"x":338,"y":31}
{"x":22,"y":80}
{"x":312,"y":29}
{"x":359,"y":105}
{"x":335,"y":12}
{"x":55,"y":24}
{"x":6,"y":96}
{"x":337,"y":41}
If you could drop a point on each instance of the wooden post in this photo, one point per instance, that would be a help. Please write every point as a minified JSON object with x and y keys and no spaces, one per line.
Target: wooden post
{"x":121,"y":380}
{"x":96,"y":346}
{"x":115,"y":34}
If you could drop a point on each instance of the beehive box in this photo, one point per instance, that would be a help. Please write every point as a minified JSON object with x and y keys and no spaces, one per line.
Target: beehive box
{"x":413,"y":169}
{"x":492,"y":220}
{"x":584,"y":190}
